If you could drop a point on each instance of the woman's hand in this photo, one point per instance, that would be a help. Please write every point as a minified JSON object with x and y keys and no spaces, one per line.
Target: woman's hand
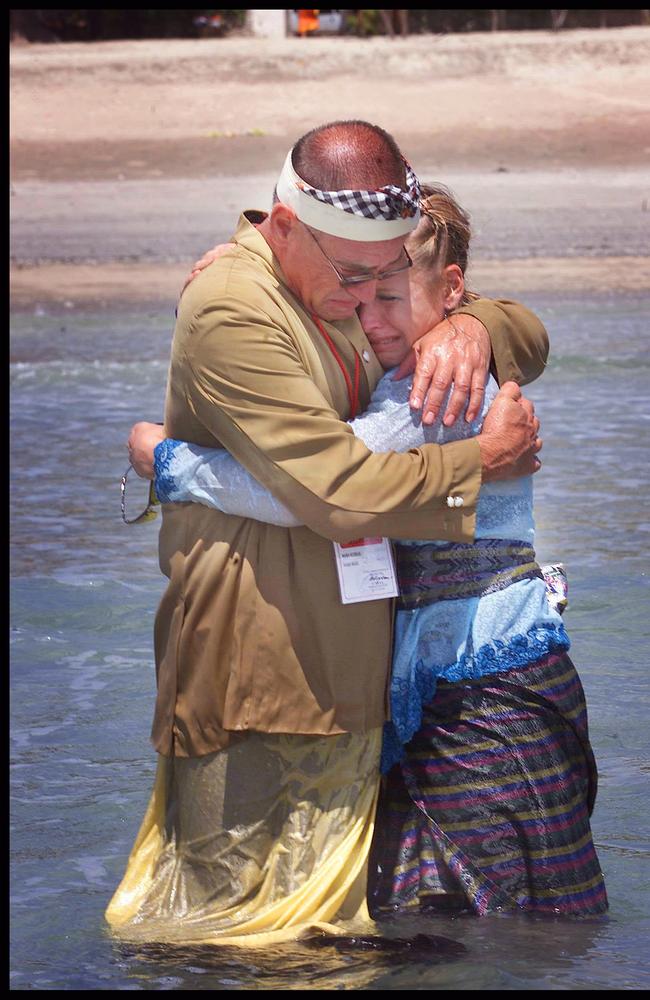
{"x":456,"y":351}
{"x":206,"y":259}
{"x":143,"y":438}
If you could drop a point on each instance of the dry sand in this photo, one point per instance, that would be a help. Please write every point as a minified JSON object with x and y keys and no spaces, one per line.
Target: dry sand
{"x":129,"y":158}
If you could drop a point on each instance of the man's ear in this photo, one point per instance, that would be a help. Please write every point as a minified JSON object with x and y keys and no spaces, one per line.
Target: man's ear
{"x":454,"y":285}
{"x":283,"y":221}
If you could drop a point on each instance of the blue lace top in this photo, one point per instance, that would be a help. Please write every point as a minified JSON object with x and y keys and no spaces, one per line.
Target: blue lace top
{"x":467,"y":637}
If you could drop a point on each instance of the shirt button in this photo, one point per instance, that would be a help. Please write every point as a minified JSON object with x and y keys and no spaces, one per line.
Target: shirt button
{"x":458,"y":501}
{"x":450,"y":501}
{"x":365,"y":355}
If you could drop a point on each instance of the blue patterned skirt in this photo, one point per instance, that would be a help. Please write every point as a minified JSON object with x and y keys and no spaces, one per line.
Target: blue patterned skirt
{"x":489,"y":809}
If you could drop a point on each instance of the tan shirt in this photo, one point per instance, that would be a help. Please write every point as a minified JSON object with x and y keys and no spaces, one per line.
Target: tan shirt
{"x":251,"y":632}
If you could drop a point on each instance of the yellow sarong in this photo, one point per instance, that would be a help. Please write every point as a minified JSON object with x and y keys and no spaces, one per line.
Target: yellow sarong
{"x":254,"y":845}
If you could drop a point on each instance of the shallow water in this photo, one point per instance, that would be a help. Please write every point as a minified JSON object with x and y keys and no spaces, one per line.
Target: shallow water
{"x":84,"y":592}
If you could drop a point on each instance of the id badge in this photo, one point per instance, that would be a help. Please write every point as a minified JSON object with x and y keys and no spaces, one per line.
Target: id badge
{"x":366,"y":570}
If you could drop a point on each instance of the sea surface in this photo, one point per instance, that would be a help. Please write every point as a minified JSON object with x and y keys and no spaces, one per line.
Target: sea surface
{"x":83,"y":596}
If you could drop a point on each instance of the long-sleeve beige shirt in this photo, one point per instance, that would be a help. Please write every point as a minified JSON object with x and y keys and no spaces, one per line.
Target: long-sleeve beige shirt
{"x":251,"y":632}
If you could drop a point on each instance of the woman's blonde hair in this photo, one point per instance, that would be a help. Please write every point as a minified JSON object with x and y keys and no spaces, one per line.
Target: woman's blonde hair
{"x":443,"y":234}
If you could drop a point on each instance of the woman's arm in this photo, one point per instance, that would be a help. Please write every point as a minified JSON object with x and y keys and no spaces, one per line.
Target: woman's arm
{"x":211,"y":476}
{"x":185,"y":472}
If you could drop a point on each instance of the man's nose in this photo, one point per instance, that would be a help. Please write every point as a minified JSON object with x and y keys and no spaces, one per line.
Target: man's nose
{"x":369,"y":315}
{"x":366,"y":291}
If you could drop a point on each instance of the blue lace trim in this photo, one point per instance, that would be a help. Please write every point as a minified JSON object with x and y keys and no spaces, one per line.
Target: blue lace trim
{"x":162,"y":457}
{"x":412,"y":693}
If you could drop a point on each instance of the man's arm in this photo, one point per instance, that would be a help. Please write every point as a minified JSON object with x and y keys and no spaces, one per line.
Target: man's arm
{"x":518,"y":339}
{"x":189,"y":473}
{"x":185,"y":473}
{"x":248,"y":386}
{"x":245,"y":379}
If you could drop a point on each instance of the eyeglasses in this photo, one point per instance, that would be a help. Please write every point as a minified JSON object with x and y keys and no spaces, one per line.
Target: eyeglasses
{"x":360,"y":279}
{"x":149,"y":513}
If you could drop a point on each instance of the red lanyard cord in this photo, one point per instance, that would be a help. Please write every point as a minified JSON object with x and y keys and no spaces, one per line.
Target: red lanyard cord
{"x":353,"y":391}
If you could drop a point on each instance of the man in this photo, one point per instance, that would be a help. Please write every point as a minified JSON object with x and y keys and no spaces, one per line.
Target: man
{"x":271,"y":691}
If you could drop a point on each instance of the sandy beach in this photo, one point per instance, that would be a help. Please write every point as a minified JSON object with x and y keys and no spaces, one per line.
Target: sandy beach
{"x":130,"y":158}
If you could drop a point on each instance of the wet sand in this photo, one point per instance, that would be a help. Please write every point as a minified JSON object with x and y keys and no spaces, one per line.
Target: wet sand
{"x":128,"y":159}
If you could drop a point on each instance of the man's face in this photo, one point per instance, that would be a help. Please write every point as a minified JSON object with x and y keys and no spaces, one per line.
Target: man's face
{"x":314,"y":280}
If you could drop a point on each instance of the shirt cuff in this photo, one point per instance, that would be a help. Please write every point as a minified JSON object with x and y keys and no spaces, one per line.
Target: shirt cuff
{"x":459,"y":504}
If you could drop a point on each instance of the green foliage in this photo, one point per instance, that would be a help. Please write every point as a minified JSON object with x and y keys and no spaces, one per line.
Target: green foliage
{"x":362,"y":22}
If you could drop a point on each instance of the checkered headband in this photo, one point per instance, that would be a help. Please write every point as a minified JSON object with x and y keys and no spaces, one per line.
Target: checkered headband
{"x":367,"y":216}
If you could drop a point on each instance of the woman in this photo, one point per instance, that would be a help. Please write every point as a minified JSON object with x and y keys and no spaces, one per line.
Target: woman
{"x":490,"y":778}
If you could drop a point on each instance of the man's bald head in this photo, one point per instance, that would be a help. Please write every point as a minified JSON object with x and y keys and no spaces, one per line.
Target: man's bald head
{"x":330,"y":184}
{"x":349,"y":155}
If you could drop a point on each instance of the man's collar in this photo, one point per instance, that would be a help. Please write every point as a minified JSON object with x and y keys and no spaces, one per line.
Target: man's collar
{"x":246,"y":235}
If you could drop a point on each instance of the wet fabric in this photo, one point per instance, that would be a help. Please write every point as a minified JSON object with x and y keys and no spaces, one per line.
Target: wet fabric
{"x":489,"y":809}
{"x":255,"y":844}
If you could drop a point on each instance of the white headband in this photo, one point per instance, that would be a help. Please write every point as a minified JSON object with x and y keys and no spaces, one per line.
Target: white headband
{"x":366,"y":216}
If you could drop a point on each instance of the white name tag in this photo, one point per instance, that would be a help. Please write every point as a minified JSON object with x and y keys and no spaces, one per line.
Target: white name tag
{"x":366,"y":570}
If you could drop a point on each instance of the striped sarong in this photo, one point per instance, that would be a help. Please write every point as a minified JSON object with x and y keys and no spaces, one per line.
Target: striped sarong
{"x":436,"y":571}
{"x":489,"y":810}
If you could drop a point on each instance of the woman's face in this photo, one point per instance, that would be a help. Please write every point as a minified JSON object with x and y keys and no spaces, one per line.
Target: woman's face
{"x":406,"y":306}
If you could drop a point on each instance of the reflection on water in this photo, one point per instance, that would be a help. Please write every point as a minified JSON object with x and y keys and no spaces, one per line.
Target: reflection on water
{"x":85,"y":589}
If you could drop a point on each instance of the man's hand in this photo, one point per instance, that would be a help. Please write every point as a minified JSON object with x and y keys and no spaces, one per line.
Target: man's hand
{"x":142,"y":440}
{"x":206,"y":259}
{"x":509,"y":441}
{"x":457,"y":350}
